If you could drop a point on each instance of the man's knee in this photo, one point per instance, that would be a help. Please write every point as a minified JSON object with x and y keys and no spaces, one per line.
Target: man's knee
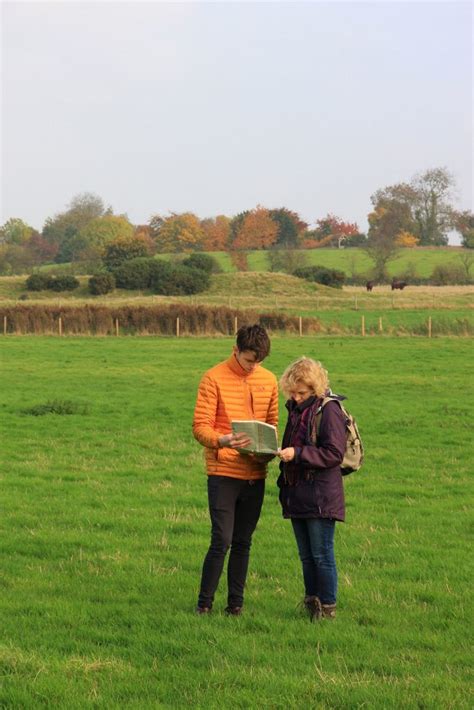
{"x":220,"y":542}
{"x":241,"y":545}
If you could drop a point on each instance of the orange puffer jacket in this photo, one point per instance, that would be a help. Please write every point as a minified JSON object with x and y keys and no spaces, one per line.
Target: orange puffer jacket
{"x":227,"y":392}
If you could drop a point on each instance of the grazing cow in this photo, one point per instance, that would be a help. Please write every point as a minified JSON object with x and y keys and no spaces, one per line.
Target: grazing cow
{"x":398,"y":284}
{"x":369,"y":285}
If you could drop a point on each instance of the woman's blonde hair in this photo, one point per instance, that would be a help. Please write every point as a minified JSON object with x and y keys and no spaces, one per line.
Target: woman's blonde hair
{"x":306,"y":371}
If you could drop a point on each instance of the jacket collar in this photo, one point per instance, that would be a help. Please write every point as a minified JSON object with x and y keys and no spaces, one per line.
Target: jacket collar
{"x":238,"y":369}
{"x":293,"y":407}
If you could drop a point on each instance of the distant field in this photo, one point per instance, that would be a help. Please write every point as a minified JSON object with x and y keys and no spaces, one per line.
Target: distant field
{"x":420,"y":261}
{"x":104,"y":526}
{"x":355,"y":261}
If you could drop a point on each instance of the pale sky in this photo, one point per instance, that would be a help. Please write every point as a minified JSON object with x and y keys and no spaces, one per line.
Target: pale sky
{"x":217,"y":107}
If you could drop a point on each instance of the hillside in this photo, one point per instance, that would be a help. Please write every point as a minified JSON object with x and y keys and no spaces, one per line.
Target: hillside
{"x":419,"y":261}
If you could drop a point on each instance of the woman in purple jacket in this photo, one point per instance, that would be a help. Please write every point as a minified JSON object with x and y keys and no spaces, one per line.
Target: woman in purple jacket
{"x":310,"y":481}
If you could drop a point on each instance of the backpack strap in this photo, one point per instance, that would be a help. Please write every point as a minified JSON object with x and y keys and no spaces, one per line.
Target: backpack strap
{"x":315,"y":419}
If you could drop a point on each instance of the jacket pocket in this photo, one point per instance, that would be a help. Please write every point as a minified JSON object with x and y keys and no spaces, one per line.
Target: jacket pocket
{"x":300,"y":500}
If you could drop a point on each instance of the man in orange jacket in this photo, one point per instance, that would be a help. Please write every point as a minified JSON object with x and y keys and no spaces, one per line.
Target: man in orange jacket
{"x":237,"y":389}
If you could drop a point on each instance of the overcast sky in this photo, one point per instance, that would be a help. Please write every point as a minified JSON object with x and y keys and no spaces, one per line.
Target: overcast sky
{"x":218,"y":107}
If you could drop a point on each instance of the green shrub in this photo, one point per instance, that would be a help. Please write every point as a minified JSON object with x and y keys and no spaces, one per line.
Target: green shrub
{"x":134,"y":274}
{"x":444,"y":274}
{"x":321,"y":275}
{"x":37,"y":282}
{"x":160,"y":275}
{"x":205,"y":262}
{"x":100,"y":284}
{"x":178,"y":280}
{"x":121,"y":250}
{"x":63,"y":283}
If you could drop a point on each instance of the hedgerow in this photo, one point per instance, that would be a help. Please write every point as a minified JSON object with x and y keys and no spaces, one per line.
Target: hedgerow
{"x":92,"y":319}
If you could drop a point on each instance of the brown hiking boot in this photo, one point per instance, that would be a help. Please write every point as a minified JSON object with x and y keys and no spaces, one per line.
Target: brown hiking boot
{"x":203,"y":610}
{"x":313,"y":607}
{"x":233,"y":610}
{"x":328,"y":611}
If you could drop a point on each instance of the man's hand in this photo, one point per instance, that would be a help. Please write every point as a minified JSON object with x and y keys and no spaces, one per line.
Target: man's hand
{"x":234,"y":441}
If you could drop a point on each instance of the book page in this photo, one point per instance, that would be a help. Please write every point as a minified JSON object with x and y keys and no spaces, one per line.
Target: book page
{"x":263,"y":436}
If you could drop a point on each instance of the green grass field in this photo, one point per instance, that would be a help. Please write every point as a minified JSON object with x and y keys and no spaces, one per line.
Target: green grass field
{"x":339,"y":310}
{"x":104,"y":528}
{"x":420,"y":261}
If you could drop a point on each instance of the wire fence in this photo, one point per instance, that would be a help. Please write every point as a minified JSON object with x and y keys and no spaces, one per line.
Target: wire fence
{"x":178,"y":320}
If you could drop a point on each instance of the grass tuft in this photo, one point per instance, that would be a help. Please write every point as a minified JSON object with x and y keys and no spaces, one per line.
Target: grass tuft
{"x":58,"y":406}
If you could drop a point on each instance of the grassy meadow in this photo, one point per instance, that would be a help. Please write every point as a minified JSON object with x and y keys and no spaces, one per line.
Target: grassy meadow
{"x":105,"y":525}
{"x":419,"y":261}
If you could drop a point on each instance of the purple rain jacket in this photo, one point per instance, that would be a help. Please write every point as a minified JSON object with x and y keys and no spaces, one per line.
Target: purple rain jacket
{"x":311,"y":485}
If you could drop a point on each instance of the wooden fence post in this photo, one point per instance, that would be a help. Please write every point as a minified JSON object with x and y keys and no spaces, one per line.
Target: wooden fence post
{"x":116,"y":326}
{"x":177,"y":327}
{"x":429,"y":327}
{"x":380,"y":326}
{"x":60,"y":325}
{"x":4,"y":325}
{"x":235,"y":325}
{"x":363,"y":325}
{"x":301,"y":325}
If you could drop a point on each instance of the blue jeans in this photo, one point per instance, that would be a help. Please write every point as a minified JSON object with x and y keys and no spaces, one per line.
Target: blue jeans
{"x":315,"y":540}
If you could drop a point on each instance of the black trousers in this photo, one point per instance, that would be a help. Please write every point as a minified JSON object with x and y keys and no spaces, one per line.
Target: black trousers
{"x":234,"y":507}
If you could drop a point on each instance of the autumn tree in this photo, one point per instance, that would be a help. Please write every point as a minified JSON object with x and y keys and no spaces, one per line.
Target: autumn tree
{"x":180,"y":233}
{"x":43,"y":252}
{"x":333,"y":231}
{"x":155,"y":224}
{"x":15,"y":259}
{"x":381,"y":246}
{"x":235,"y":225}
{"x":216,"y":233}
{"x":426,"y":202}
{"x":406,"y":240}
{"x":89,"y":244}
{"x":101,"y":231}
{"x":290,"y":228}
{"x":15,"y":231}
{"x":256,"y":231}
{"x":64,"y":228}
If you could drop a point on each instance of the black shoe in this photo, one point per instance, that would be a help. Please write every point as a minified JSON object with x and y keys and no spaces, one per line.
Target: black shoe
{"x":203,"y":610}
{"x":233,"y":610}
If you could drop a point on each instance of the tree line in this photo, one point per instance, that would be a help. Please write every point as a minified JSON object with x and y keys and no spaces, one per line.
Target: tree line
{"x":419,"y":212}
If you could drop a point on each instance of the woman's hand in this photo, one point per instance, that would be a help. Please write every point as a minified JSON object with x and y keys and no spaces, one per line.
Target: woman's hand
{"x":287,"y":454}
{"x":239,"y":440}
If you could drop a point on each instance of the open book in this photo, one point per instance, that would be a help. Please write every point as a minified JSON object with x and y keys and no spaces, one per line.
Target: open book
{"x":263,"y":437}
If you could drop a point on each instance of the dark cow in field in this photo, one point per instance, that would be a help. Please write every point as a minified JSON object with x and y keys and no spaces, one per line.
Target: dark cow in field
{"x":369,"y":285}
{"x":398,"y":284}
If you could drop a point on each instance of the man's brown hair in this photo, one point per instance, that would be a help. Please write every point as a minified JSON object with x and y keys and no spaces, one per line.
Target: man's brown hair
{"x":255,"y":338}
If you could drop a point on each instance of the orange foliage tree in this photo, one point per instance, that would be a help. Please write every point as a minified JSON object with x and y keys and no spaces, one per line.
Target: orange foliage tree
{"x":256,"y":231}
{"x":180,"y":233}
{"x":406,"y":239}
{"x":332,"y":230}
{"x":216,"y":231}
